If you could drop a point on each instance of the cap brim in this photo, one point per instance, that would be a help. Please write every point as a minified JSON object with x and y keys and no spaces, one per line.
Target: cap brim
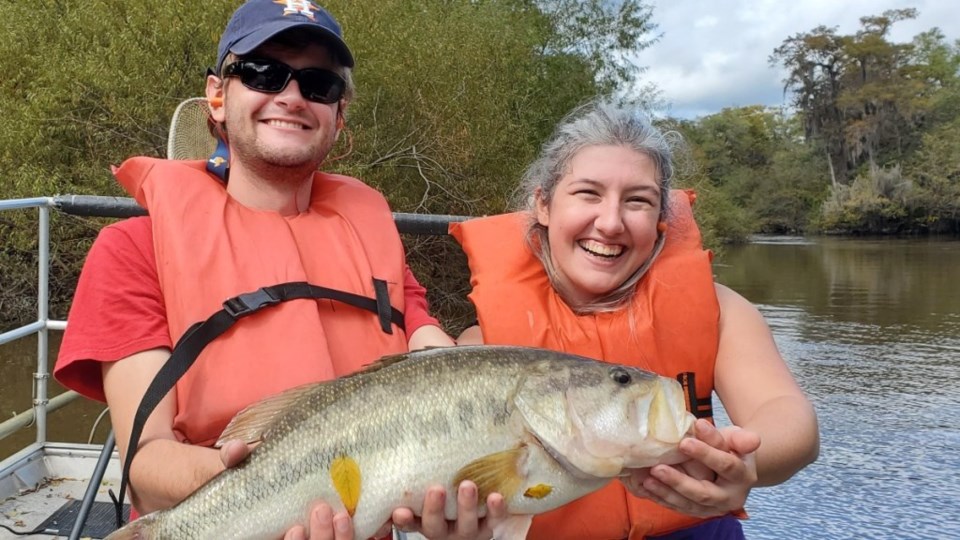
{"x":248,"y":43}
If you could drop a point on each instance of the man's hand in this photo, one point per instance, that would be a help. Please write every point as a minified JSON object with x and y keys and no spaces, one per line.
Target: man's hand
{"x":233,"y":452}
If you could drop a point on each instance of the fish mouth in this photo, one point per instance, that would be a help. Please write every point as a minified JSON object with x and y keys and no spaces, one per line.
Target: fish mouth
{"x":660,"y":421}
{"x":667,"y":419}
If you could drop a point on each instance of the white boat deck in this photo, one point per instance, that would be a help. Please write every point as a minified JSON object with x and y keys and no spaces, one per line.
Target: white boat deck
{"x":36,"y":482}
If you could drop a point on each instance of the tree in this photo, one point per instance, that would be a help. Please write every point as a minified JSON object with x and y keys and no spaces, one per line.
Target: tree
{"x":815,"y":64}
{"x":755,"y":158}
{"x":878,"y":96}
{"x":936,"y":169}
{"x":606,"y":33}
{"x":856,"y":93}
{"x":873,"y":106}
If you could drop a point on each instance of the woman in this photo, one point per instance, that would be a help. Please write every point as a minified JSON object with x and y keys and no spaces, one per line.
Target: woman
{"x":607,"y":262}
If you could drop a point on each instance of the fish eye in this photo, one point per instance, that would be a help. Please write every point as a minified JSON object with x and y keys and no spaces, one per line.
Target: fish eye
{"x":620,"y":375}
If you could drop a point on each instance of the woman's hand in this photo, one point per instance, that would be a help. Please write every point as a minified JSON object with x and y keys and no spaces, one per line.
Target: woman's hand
{"x":715,"y":481}
{"x":468,"y":526}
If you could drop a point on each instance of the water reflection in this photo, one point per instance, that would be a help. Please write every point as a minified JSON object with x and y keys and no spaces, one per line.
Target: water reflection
{"x":881,"y":283}
{"x":18,"y":362}
{"x":871,"y":329}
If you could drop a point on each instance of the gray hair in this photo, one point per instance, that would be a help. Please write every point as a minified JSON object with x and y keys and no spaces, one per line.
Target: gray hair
{"x":593,"y":124}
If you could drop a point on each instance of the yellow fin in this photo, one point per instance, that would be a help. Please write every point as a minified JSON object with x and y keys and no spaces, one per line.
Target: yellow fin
{"x":345,"y":474}
{"x":538,"y":491}
{"x":253,"y":423}
{"x":495,"y":473}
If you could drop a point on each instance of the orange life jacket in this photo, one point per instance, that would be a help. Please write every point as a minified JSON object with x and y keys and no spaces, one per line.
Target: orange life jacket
{"x":210,"y":248}
{"x":670,"y":327}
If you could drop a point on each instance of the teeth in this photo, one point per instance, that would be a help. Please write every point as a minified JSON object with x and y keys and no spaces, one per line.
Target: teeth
{"x":282,"y":124}
{"x":601,"y":249}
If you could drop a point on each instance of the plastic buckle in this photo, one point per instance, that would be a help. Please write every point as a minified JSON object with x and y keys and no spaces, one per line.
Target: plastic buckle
{"x":246,"y":303}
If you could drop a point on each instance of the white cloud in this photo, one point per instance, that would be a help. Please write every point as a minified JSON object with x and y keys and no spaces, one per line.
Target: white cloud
{"x":705,"y":22}
{"x":714,"y":53}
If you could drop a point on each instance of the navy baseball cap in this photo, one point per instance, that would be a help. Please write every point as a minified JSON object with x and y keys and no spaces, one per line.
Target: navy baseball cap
{"x":257,"y":21}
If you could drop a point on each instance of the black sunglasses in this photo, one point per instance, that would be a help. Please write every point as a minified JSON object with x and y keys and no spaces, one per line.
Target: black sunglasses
{"x":270,"y":76}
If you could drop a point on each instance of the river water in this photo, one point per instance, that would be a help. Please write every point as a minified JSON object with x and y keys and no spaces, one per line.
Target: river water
{"x":871,"y":329}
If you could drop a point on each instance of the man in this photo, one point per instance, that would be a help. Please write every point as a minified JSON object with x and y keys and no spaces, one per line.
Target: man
{"x":278,"y":95}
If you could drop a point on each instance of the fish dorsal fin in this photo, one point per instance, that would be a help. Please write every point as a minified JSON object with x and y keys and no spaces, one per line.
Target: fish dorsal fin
{"x":495,"y":473}
{"x":381,"y":363}
{"x":253,"y":423}
{"x":391,"y":359}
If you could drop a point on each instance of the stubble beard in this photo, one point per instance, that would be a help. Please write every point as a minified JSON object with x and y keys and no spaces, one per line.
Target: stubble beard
{"x":287,"y":164}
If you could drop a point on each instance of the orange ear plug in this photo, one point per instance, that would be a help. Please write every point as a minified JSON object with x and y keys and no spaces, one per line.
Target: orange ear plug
{"x":215,"y":102}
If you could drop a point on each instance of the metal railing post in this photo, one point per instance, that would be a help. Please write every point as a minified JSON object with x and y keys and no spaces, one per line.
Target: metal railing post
{"x":42,"y":375}
{"x":91,"y":494}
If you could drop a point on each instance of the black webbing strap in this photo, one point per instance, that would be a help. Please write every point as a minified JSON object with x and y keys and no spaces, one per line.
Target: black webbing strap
{"x":701,"y":407}
{"x":383,"y":305}
{"x":198,"y":336}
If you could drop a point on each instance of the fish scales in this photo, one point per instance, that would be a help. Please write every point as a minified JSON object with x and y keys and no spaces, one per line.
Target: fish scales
{"x":417,"y":422}
{"x":418,"y":418}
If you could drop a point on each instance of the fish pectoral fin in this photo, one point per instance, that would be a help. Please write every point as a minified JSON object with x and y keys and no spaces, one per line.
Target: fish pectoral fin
{"x":513,"y":528}
{"x":345,"y":474}
{"x":495,"y":473}
{"x":538,"y":491}
{"x":253,"y":423}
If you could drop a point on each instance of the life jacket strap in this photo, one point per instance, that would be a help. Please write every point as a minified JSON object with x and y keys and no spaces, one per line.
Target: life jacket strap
{"x":701,"y":407}
{"x":244,"y":304}
{"x":200,"y":334}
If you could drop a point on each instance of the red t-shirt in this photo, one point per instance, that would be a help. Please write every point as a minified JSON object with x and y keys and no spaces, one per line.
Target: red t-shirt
{"x":118,"y":308}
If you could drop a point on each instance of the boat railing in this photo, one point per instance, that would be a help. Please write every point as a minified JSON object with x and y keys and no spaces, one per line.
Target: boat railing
{"x":111,"y":207}
{"x":42,"y":404}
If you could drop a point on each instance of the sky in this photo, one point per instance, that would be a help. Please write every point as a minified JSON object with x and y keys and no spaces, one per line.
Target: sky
{"x":714,"y":53}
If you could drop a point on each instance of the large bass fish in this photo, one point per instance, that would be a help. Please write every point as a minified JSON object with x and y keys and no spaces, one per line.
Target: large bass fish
{"x":540,"y":427}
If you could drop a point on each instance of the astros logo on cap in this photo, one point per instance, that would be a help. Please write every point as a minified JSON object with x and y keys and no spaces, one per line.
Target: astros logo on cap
{"x":303,"y":7}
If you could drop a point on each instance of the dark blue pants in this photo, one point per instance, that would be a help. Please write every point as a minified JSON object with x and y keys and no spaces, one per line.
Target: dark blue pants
{"x":722,"y":528}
